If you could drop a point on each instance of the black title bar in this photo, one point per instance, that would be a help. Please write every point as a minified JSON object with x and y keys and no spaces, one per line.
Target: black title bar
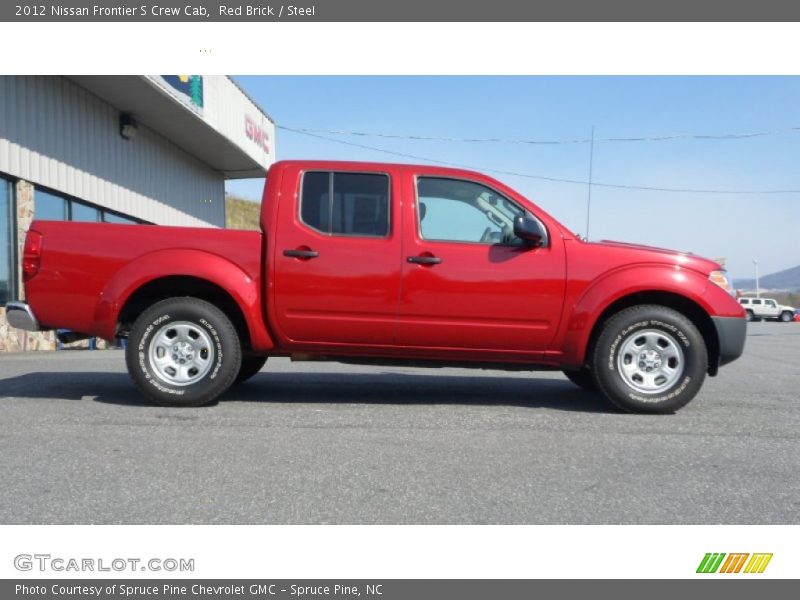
{"x":391,"y":589}
{"x":400,"y":11}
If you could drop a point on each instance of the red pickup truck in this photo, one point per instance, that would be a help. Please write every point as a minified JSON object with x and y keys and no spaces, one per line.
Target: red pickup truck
{"x":385,"y":264}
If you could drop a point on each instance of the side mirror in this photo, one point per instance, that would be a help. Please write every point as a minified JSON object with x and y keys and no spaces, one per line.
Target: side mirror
{"x":528,"y":229}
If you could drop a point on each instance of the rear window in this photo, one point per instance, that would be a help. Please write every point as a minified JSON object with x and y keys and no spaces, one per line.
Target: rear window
{"x":346,"y":203}
{"x":744,"y":300}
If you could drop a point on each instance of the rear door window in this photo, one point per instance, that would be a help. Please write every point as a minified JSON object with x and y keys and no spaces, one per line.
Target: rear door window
{"x":340,"y":203}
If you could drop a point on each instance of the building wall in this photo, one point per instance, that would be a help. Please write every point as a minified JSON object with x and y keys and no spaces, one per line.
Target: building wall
{"x":55,"y":134}
{"x":227,"y":105}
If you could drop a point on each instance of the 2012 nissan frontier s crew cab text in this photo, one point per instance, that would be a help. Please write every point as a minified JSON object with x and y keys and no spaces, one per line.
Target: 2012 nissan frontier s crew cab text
{"x":385,"y":264}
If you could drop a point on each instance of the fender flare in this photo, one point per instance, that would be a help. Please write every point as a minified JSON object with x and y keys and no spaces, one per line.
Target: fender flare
{"x":616,"y":285}
{"x":219,"y":271}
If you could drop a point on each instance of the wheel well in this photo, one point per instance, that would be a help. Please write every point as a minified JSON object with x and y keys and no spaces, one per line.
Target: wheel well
{"x":179,"y":285}
{"x":690,"y":309}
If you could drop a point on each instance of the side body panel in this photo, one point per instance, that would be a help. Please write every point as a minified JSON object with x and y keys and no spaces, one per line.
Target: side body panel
{"x":88,"y":271}
{"x":359,"y":296}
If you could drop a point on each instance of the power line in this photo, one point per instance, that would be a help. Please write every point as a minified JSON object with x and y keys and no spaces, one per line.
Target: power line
{"x":532,"y":176}
{"x":500,"y":140}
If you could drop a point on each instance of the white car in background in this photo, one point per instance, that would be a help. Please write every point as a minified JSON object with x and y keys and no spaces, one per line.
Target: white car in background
{"x":766,"y":308}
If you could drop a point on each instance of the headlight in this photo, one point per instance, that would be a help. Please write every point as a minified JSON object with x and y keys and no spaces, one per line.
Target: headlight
{"x":721,"y":279}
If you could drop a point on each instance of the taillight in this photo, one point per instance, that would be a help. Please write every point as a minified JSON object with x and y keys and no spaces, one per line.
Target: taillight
{"x":31,"y":255}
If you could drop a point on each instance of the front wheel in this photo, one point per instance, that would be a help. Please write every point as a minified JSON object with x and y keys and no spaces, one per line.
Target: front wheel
{"x":787,"y":317}
{"x":183,"y":352}
{"x":650,"y":359}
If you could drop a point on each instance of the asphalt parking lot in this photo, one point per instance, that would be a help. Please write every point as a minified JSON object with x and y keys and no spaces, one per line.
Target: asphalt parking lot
{"x":328,"y":443}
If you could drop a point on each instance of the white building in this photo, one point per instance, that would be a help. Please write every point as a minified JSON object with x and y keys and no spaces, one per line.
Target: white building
{"x":154,"y":149}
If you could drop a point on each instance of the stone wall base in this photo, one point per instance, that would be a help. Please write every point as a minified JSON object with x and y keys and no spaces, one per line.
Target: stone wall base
{"x":18,"y":340}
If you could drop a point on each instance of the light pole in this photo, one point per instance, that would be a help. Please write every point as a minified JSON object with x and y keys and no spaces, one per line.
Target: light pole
{"x":758,"y":287}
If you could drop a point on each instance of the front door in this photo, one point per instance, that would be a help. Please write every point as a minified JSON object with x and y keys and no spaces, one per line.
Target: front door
{"x":468,"y":282}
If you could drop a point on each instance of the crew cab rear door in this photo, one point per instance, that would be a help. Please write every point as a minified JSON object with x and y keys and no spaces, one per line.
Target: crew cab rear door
{"x":468,"y":283}
{"x":336,"y":253}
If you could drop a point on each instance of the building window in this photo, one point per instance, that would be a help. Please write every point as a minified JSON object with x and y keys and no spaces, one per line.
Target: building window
{"x":109,"y":217}
{"x":8,"y":271}
{"x":50,"y":206}
{"x":82,"y":212}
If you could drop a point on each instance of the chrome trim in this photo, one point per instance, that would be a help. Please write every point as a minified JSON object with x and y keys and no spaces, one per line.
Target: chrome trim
{"x":20,"y":315}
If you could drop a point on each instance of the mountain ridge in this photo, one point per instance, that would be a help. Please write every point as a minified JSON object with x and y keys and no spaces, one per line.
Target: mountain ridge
{"x":788,"y":279}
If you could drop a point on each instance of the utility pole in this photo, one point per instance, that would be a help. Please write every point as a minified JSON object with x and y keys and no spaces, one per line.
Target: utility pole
{"x":758,"y":287}
{"x":589,"y":192}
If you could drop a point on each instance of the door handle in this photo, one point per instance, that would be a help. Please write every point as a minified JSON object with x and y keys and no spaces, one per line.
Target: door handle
{"x":424,"y":260}
{"x":301,"y":253}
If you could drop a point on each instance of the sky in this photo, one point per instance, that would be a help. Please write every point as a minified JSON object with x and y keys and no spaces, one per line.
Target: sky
{"x":739,"y":227}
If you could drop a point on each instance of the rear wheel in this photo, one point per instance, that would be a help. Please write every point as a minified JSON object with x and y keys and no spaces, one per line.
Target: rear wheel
{"x":251,"y":365}
{"x":787,"y":317}
{"x":650,"y":359}
{"x":750,"y":315}
{"x":183,"y":352}
{"x":582,"y":378}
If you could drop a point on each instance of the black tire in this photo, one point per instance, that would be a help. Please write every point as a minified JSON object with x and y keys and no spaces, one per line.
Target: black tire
{"x":582,"y":378}
{"x":677,"y":368}
{"x":787,"y":317}
{"x":251,"y":365}
{"x":199,"y":329}
{"x":750,"y":316}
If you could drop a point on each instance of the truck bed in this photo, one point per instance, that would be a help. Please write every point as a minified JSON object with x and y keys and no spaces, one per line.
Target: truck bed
{"x":75,"y":287}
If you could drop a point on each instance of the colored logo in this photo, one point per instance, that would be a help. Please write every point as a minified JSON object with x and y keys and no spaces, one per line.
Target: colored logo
{"x":719,"y":562}
{"x":187,"y":89}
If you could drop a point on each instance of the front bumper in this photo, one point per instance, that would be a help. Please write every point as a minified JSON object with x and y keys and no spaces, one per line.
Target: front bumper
{"x":731,"y":333}
{"x":20,"y":315}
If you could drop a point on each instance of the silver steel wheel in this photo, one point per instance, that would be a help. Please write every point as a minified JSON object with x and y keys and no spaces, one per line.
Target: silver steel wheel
{"x":181,"y":353}
{"x":650,"y":361}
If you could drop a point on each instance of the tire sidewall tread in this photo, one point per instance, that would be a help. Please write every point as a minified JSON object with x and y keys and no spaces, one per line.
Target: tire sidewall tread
{"x":649,"y":316}
{"x":227,"y":355}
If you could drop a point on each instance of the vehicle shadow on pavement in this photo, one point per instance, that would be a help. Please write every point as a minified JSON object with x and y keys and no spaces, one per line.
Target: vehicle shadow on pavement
{"x":415,"y":389}
{"x":322,"y":388}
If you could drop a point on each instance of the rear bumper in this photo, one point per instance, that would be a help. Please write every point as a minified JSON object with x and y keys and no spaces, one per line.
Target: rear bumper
{"x":20,"y":315}
{"x":731,"y":333}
